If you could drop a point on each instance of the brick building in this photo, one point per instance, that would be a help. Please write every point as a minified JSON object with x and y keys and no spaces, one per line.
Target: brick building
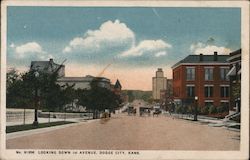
{"x":204,"y":76}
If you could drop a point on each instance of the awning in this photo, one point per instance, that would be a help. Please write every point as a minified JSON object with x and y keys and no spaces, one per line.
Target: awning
{"x":239,"y":72}
{"x":232,"y":71}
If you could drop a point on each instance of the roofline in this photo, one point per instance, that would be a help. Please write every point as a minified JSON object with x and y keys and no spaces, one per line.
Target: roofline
{"x":233,"y":57}
{"x":200,"y":64}
{"x":180,"y":62}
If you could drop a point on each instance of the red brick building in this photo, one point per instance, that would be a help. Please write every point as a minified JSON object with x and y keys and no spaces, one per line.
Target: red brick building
{"x":204,"y":76}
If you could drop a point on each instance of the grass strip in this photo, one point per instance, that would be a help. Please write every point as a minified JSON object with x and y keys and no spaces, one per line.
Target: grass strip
{"x":16,"y":128}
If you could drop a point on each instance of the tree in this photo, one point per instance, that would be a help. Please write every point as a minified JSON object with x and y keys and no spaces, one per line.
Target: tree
{"x":19,"y":93}
{"x":98,"y":98}
{"x":25,"y":90}
{"x":12,"y":77}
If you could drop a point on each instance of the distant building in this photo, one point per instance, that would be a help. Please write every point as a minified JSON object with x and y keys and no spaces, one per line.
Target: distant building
{"x":78,"y":82}
{"x":117,"y":87}
{"x":204,"y":76}
{"x":166,"y":96}
{"x":235,"y":80}
{"x":84,"y":82}
{"x":159,"y":83}
{"x":48,"y":67}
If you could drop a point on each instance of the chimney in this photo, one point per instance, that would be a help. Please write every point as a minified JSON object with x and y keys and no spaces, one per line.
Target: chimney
{"x":215,"y":56}
{"x":201,"y":57}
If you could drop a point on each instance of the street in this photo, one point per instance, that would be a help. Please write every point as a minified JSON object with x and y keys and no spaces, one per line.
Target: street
{"x":123,"y":132}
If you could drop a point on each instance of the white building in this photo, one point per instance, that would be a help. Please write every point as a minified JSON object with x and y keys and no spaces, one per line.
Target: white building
{"x":84,"y":82}
{"x":79,"y":82}
{"x":159,"y":83}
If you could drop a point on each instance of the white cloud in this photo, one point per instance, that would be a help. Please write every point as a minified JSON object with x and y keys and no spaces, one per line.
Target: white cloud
{"x":12,"y":45}
{"x":109,"y":34}
{"x":160,"y":54}
{"x":30,"y":49}
{"x":67,"y":49}
{"x":199,"y":47}
{"x":156,"y":47}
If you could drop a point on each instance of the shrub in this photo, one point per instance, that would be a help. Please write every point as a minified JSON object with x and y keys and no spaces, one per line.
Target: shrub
{"x":190,"y":109}
{"x":184,"y":109}
{"x":212,"y":109}
{"x":222,"y":109}
{"x":178,"y":109}
{"x":205,"y":110}
{"x":198,"y":110}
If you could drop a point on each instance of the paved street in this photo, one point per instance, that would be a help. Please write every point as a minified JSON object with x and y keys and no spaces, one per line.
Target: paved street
{"x":132,"y":133}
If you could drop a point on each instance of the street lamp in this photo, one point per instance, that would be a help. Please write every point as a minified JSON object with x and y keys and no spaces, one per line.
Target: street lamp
{"x":195,"y":109}
{"x":35,"y":123}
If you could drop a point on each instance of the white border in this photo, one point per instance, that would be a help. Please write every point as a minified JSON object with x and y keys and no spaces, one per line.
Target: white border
{"x":244,"y":149}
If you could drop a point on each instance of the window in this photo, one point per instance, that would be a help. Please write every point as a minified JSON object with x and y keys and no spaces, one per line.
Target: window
{"x":223,"y":74}
{"x":208,"y":91}
{"x":224,"y":91}
{"x":190,"y":90}
{"x":190,"y":73}
{"x":208,"y":74}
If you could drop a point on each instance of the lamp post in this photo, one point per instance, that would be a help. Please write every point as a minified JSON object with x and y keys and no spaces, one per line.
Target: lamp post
{"x":35,"y":123}
{"x":195,"y":109}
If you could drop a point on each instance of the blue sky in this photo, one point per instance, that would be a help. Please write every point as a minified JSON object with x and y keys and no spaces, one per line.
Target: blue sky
{"x":128,"y":37}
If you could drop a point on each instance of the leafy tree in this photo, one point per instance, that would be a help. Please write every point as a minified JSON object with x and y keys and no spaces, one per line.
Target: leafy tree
{"x":98,"y":98}
{"x":19,"y":93}
{"x":21,"y":90}
{"x":12,"y":77}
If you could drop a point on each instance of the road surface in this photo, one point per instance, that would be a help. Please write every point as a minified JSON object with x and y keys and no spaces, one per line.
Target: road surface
{"x":123,"y":132}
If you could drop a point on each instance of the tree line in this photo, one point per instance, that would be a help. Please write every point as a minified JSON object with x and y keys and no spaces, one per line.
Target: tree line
{"x":21,"y":88}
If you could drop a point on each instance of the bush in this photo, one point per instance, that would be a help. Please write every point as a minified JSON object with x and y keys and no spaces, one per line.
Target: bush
{"x":178,"y":109}
{"x":205,"y":110}
{"x":212,"y":109}
{"x":222,"y":109}
{"x":190,"y":109}
{"x":198,"y":110}
{"x":184,"y":109}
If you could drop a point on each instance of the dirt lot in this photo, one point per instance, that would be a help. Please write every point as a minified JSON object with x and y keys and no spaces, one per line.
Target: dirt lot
{"x":133,"y":133}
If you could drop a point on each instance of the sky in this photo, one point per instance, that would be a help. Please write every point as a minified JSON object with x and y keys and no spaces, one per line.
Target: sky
{"x":130,"y":42}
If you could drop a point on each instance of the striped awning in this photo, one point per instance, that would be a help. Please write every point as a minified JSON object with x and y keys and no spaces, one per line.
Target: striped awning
{"x":232,"y":71}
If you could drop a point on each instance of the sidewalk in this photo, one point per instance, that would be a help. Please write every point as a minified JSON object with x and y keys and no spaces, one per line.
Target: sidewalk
{"x":44,"y":120}
{"x":47,"y":129}
{"x":210,"y":121}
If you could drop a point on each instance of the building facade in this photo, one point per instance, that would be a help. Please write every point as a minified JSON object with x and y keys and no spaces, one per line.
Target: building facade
{"x":159,"y":83}
{"x":203,"y":76}
{"x":235,"y":80}
{"x":84,"y":82}
{"x":117,"y":88}
{"x":48,"y":67}
{"x":78,"y":82}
